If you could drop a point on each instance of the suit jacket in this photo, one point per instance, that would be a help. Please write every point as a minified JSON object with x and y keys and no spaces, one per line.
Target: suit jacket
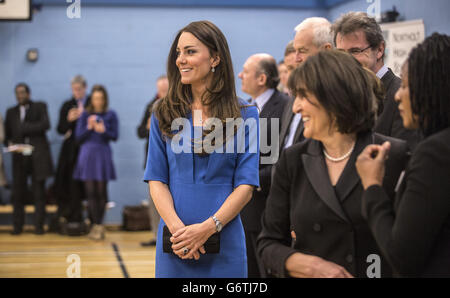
{"x":327,"y":221}
{"x":251,"y":214}
{"x":287,"y":117}
{"x":69,"y":150}
{"x":3,"y":181}
{"x":32,"y":131}
{"x":416,"y":237}
{"x":390,"y":122}
{"x":142,"y":130}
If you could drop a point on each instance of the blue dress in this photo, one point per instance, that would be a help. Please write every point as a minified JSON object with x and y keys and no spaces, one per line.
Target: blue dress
{"x":94,"y":160}
{"x":199,"y":186}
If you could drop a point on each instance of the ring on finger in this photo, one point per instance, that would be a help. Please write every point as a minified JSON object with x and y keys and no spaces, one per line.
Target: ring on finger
{"x":185,"y":251}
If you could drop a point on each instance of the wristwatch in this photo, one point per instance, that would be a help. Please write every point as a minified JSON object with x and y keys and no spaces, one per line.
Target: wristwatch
{"x":218,"y":224}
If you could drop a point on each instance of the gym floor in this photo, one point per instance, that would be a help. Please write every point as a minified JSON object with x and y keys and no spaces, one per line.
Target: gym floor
{"x":51,"y":255}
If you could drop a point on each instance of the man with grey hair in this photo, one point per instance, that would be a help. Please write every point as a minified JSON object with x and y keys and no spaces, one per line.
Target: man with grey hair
{"x":289,"y":58}
{"x":312,"y":35}
{"x":143,"y":132}
{"x":260,"y":79}
{"x":70,"y":192}
{"x":360,"y":35}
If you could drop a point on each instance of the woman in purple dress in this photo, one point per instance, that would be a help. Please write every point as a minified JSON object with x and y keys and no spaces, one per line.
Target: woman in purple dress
{"x":96,"y":128}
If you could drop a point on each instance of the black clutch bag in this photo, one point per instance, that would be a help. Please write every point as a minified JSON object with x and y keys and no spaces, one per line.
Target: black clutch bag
{"x":212,"y":245}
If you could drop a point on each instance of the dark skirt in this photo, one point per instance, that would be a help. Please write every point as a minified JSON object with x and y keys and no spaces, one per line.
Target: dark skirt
{"x":95,"y":163}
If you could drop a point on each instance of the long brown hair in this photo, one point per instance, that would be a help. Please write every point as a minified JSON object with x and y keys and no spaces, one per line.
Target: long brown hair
{"x":220,"y":97}
{"x":102,"y":89}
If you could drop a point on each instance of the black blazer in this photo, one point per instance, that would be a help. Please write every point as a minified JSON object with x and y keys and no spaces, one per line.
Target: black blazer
{"x":390,"y":122}
{"x":69,"y":150}
{"x":416,"y":238}
{"x":142,"y":130}
{"x":251,"y":214}
{"x":33,"y":131}
{"x":327,"y":221}
{"x":287,"y":117}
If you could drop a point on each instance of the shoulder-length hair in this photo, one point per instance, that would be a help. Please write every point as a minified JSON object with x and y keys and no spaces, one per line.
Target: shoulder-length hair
{"x":342,"y":88}
{"x":429,"y":83}
{"x":102,"y":89}
{"x":220,"y":97}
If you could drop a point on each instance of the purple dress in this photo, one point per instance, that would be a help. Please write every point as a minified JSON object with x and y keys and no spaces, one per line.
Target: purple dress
{"x":95,"y":157}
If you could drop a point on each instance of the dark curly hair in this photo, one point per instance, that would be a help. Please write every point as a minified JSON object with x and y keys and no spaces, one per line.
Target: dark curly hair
{"x":429,"y":83}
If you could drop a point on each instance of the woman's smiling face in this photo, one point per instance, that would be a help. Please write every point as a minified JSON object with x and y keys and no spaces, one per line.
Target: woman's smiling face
{"x":194,"y":60}
{"x":315,"y":119}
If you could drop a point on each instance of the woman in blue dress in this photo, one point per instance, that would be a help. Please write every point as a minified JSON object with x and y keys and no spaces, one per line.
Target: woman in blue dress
{"x":96,"y":128}
{"x":199,"y":192}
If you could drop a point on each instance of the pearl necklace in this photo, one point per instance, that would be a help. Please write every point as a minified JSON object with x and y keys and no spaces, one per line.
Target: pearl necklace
{"x":339,"y":159}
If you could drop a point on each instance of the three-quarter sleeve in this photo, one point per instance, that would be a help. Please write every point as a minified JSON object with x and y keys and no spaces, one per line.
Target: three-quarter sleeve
{"x":274,"y":241}
{"x":247,"y":165}
{"x":81,"y":131}
{"x":157,"y":167}
{"x":408,"y":234}
{"x":111,"y":127}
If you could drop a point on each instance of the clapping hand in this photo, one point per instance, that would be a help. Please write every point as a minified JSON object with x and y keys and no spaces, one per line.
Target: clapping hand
{"x":370,"y":164}
{"x":73,"y":114}
{"x":91,"y":122}
{"x":100,"y":126}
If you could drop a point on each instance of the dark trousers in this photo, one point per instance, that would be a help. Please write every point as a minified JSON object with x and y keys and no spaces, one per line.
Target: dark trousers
{"x":254,"y":264}
{"x":70,"y":201}
{"x":22,"y":170}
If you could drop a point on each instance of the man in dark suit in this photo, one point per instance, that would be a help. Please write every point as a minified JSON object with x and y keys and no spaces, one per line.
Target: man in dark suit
{"x":143,"y":131}
{"x":69,"y":191}
{"x":260,"y":79}
{"x":26,"y":124}
{"x":361,"y":36}
{"x":312,"y":36}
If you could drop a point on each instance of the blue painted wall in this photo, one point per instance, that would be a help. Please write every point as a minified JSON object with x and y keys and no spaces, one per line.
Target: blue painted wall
{"x":125,"y":48}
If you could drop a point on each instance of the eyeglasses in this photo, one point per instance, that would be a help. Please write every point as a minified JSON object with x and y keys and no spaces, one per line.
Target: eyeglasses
{"x":356,"y":51}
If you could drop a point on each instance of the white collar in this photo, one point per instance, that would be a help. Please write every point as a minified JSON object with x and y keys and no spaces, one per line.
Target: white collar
{"x":382,"y":71}
{"x":262,"y":99}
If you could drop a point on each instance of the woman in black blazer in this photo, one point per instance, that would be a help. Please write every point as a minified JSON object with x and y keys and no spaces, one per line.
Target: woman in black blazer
{"x":312,"y":225}
{"x":414,"y":232}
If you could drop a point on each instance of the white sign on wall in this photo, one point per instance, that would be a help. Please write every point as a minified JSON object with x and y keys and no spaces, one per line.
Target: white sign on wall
{"x":15,"y":10}
{"x":401,"y":38}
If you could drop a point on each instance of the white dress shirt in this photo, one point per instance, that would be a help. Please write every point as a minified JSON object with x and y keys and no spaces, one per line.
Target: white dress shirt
{"x":289,"y":140}
{"x":382,"y":71}
{"x":262,"y":99}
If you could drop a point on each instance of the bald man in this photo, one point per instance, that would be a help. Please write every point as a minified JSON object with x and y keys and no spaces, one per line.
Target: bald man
{"x":259,"y":80}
